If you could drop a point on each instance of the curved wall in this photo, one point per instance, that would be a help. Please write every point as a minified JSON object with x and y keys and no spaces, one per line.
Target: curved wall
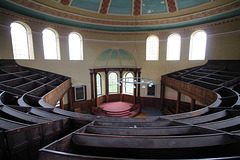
{"x":222,"y":43}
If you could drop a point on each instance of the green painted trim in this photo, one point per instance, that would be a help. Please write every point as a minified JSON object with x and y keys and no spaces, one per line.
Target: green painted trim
{"x":50,"y":18}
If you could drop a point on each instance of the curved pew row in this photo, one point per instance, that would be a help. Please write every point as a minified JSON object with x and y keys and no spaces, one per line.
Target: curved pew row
{"x":86,"y":118}
{"x":21,"y":141}
{"x":61,"y":123}
{"x":49,"y":128}
{"x":214,"y":114}
{"x":226,"y":120}
{"x":97,"y":146}
{"x":145,"y":131}
{"x":229,"y":97}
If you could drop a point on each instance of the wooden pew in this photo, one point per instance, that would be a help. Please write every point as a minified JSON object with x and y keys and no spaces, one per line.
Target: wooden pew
{"x":18,"y":140}
{"x":204,"y":118}
{"x":159,"y":123}
{"x":61,"y":123}
{"x":223,"y":124}
{"x":152,"y":142}
{"x":3,"y":146}
{"x":143,"y":131}
{"x":47,"y":126}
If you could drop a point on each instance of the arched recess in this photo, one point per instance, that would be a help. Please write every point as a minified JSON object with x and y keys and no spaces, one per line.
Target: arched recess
{"x":22,"y":42}
{"x":113,"y":61}
{"x":51,"y":46}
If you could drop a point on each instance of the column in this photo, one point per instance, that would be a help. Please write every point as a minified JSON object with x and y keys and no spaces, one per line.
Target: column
{"x":162,"y":95}
{"x":61,"y":103}
{"x":120,"y":71}
{"x":192,"y":104}
{"x":135,"y":89}
{"x":138,"y":86}
{"x":70,"y":99}
{"x":178,"y":102}
{"x":95,"y":90}
{"x":106,"y":80}
{"x":91,"y":81}
{"x":121,"y":86}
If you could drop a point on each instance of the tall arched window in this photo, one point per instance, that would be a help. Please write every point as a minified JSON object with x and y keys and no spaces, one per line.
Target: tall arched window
{"x":129,"y":86}
{"x":173,"y":47}
{"x":198,"y":45}
{"x":112,"y":82}
{"x":21,"y":41}
{"x":99,"y":84}
{"x":152,"y":48}
{"x":75,"y":46}
{"x":51,"y":44}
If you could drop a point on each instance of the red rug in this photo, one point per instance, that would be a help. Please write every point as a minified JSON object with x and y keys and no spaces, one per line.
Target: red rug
{"x":115,"y":106}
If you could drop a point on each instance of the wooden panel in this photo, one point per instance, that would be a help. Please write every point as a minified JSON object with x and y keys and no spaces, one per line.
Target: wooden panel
{"x":157,"y":142}
{"x":83,"y":106}
{"x":113,"y":97}
{"x":47,"y":132}
{"x":200,"y":94}
{"x":149,"y":102}
{"x":128,"y":98}
{"x":35,"y":132}
{"x":101,"y":99}
{"x":18,"y":143}
{"x":56,"y":94}
{"x":3,"y":146}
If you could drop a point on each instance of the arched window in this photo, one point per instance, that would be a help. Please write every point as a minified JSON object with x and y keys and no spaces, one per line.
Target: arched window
{"x":198,"y":45}
{"x":75,"y":46}
{"x":99,"y":84}
{"x":152,"y":48}
{"x":21,"y":41}
{"x":112,"y":82}
{"x":173,"y":47}
{"x":129,"y":86}
{"x":51,"y":44}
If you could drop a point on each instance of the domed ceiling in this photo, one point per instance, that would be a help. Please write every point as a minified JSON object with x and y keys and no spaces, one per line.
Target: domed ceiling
{"x":115,"y":57}
{"x":126,"y":15}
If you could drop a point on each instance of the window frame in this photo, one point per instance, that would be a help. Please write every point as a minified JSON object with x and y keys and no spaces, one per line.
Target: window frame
{"x":191,"y":47}
{"x":100,"y":79}
{"x":154,"y":90}
{"x":75,"y":93}
{"x":128,"y":84}
{"x":169,"y":48}
{"x":80,"y":49}
{"x":149,"y":56}
{"x":112,"y":84}
{"x":58,"y":56}
{"x":29,"y":39}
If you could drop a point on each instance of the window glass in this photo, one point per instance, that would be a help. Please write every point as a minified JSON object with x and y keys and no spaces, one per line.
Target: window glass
{"x":129,"y":86}
{"x":151,"y":91}
{"x":198,"y":45}
{"x":21,"y":41}
{"x":173,"y":47}
{"x":79,"y":93}
{"x":75,"y":46}
{"x":112,"y":82}
{"x":99,"y":84}
{"x":152,"y":48}
{"x":50,"y":44}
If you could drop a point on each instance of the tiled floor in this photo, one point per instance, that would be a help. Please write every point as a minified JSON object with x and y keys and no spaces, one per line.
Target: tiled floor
{"x":152,"y":112}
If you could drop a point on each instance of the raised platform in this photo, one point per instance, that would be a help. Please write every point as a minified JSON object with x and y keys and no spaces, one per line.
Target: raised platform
{"x":117,"y":109}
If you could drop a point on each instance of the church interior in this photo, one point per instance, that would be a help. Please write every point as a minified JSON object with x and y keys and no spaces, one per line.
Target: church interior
{"x":119,"y":79}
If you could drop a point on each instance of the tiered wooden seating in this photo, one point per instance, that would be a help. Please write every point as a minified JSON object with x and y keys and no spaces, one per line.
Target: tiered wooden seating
{"x":205,"y":133}
{"x":210,"y":132}
{"x":31,"y":128}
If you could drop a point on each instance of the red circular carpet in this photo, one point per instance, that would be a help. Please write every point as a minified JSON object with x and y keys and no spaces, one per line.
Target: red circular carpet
{"x":115,"y":106}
